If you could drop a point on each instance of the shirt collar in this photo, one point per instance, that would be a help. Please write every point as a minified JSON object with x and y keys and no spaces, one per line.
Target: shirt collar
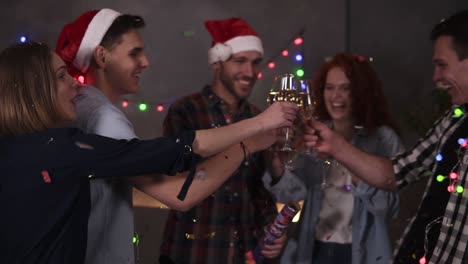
{"x":92,"y":91}
{"x":214,"y":100}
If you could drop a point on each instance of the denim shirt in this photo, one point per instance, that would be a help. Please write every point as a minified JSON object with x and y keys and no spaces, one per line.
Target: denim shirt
{"x":372,"y":212}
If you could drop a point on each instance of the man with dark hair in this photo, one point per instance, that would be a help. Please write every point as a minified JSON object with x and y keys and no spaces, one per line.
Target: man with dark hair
{"x":439,"y":231}
{"x":224,"y":227}
{"x":457,"y":28}
{"x":107,"y":49}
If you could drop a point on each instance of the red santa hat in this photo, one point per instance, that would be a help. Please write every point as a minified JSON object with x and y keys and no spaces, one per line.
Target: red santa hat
{"x":77,"y":40}
{"x":231,"y":36}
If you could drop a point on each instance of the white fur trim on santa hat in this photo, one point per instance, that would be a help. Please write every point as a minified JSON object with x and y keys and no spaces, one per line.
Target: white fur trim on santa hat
{"x":96,"y":30}
{"x":219,"y":52}
{"x":222,"y":52}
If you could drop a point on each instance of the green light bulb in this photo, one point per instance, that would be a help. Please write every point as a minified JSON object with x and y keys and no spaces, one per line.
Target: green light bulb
{"x":440,"y":178}
{"x":460,"y":189}
{"x":300,"y":72}
{"x":143,"y":107}
{"x":458,"y":112}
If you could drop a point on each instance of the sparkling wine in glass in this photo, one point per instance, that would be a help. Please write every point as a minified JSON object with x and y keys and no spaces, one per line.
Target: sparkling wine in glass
{"x":306,"y":101}
{"x":306,"y":105}
{"x":285,"y":89}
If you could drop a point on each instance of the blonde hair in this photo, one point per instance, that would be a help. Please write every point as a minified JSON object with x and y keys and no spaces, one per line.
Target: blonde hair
{"x":28,"y":90}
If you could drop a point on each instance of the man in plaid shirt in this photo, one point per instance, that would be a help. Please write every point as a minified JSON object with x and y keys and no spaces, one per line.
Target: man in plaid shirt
{"x":224,"y":227}
{"x":440,"y":152}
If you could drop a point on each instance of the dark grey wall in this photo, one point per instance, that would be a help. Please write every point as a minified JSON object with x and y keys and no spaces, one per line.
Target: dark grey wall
{"x":178,"y":62}
{"x":394,"y":33}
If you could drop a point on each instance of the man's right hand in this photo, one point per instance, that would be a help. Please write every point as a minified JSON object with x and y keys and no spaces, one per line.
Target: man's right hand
{"x":279,"y":114}
{"x":321,"y":138}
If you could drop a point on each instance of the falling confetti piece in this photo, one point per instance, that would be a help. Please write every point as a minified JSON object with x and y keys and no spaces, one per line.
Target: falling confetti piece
{"x":189,"y":33}
{"x":201,"y":174}
{"x":83,"y":145}
{"x":46,"y":176}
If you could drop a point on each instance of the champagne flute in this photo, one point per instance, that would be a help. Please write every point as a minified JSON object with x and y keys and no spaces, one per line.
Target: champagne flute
{"x":306,"y":105}
{"x":285,"y":89}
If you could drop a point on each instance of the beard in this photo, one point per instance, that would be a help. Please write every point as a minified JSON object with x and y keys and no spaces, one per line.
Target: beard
{"x":228,"y":83}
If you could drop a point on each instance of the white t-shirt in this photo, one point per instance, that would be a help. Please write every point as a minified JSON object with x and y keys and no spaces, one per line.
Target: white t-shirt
{"x":110,"y":225}
{"x":336,"y":212}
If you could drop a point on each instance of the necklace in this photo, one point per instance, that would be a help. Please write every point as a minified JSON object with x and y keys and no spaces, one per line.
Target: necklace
{"x":337,"y":182}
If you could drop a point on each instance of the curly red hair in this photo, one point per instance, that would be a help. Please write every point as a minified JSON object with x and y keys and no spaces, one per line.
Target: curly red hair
{"x":369,"y":106}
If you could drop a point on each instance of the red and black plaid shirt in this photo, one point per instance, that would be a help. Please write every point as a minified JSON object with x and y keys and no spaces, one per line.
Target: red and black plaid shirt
{"x":223,"y":226}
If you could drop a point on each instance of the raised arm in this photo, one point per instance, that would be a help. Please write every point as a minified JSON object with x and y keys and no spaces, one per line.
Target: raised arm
{"x":211,"y":141}
{"x":209,"y":176}
{"x":374,"y":170}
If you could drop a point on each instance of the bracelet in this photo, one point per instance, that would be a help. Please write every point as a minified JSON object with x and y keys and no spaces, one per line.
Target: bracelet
{"x":246,"y":153}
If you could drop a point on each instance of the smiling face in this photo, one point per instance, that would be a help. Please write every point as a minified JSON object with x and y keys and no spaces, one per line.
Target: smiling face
{"x":450,"y":73}
{"x":337,"y":95}
{"x":239,"y":74}
{"x":67,"y":89}
{"x":124,"y":63}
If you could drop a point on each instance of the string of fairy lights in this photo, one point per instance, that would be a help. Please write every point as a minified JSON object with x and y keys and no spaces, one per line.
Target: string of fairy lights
{"x":286,"y":52}
{"x":453,"y":178}
{"x":298,"y":57}
{"x":293,"y":49}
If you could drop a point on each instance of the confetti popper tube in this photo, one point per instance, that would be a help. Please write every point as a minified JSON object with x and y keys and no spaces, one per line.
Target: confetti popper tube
{"x":276,"y":229}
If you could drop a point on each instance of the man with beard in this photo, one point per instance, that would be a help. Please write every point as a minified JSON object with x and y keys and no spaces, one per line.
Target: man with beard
{"x":227,"y":224}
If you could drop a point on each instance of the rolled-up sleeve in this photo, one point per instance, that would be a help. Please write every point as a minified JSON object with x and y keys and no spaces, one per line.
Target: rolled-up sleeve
{"x":378,"y":201}
{"x":113,"y":158}
{"x":417,"y":162}
{"x":288,"y":188}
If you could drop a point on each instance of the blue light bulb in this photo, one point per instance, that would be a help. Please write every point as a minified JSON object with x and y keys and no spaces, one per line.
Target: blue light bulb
{"x":299,"y":57}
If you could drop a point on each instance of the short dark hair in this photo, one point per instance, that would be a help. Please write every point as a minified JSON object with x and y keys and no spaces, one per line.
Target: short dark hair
{"x":456,"y":26}
{"x":120,"y":26}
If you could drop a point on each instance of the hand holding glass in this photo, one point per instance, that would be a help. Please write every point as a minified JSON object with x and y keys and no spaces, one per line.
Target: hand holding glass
{"x":285,"y":89}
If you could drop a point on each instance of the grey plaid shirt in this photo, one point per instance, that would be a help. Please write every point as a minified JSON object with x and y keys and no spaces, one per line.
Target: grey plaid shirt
{"x":420,"y":162}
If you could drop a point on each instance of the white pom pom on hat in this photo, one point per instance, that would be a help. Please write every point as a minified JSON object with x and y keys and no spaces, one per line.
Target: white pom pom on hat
{"x":231,"y":36}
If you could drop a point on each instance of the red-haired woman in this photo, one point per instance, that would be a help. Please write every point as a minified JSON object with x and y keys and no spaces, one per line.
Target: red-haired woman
{"x":344,"y":218}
